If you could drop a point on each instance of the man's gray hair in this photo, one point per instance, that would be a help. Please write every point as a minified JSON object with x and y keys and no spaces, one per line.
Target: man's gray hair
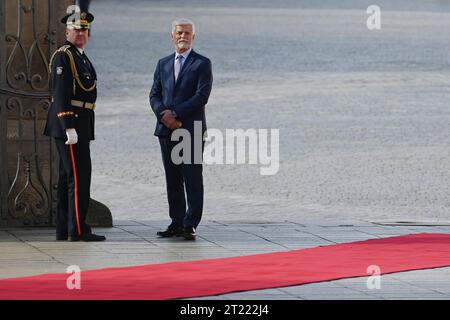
{"x":183,"y":22}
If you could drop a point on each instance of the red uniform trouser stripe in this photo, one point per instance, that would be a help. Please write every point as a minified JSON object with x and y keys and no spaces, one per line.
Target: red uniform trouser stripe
{"x":75,"y":175}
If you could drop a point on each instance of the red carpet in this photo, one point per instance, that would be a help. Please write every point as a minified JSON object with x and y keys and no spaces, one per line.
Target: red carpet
{"x":219,"y":276}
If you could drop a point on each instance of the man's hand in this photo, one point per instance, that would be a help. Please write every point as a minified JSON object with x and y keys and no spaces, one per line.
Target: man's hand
{"x":169,"y":120}
{"x":72,"y":136}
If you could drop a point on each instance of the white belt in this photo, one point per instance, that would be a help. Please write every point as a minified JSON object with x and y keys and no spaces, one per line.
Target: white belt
{"x":82,"y":104}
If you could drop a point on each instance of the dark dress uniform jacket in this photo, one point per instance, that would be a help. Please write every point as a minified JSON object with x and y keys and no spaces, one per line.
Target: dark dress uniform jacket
{"x":62,"y":115}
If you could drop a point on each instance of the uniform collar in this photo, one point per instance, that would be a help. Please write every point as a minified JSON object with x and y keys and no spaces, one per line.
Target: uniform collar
{"x":81,"y":51}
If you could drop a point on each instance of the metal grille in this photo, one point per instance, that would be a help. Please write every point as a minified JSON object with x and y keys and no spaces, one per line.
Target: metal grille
{"x":29,"y":33}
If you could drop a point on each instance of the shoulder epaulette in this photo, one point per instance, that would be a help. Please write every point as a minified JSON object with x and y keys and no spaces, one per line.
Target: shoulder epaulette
{"x":60,"y":49}
{"x":64,"y":48}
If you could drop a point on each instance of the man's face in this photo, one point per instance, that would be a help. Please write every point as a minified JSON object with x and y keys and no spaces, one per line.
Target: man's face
{"x":78,"y":37}
{"x":183,"y":37}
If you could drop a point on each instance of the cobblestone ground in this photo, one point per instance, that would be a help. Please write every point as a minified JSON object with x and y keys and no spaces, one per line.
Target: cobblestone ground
{"x":363,"y":115}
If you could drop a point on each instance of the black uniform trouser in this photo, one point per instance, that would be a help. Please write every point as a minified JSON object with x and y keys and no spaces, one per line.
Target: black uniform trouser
{"x":179,"y":177}
{"x":73,"y":188}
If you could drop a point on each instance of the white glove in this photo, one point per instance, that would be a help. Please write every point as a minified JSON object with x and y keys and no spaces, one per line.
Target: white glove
{"x":72,"y":136}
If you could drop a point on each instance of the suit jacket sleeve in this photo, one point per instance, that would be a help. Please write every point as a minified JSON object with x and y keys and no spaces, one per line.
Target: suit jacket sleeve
{"x":201,"y":96}
{"x":62,"y":83}
{"x":155,"y":95}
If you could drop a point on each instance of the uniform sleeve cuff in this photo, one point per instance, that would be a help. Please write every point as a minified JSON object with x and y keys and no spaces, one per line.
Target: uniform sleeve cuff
{"x":65,"y":114}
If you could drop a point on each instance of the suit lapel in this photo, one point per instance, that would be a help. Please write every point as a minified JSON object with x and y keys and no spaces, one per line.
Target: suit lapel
{"x":170,"y":77}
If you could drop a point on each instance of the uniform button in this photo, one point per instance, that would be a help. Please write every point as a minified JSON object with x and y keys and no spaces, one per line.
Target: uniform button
{"x":76,"y":116}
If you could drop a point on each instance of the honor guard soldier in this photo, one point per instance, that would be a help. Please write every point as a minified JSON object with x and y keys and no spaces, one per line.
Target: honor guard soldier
{"x":70,"y":122}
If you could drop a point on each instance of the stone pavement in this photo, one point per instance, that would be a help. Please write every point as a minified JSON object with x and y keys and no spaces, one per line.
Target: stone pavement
{"x":34,"y":251}
{"x":363,"y":114}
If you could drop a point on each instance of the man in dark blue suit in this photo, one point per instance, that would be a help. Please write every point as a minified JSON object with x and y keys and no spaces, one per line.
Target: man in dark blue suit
{"x":181,"y":87}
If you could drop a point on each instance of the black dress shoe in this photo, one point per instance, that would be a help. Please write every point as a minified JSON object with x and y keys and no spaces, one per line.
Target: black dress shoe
{"x":61,"y":237}
{"x":189,"y":233}
{"x":88,"y":237}
{"x":171,"y":232}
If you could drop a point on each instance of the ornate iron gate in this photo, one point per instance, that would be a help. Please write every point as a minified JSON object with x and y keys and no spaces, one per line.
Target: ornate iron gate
{"x":29,"y":32}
